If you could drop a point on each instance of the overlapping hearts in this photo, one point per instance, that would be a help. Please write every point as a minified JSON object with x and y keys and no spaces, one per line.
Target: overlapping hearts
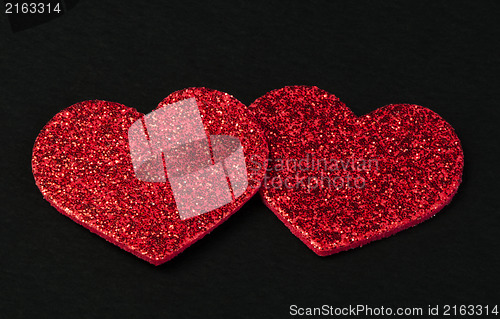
{"x":336,"y":180}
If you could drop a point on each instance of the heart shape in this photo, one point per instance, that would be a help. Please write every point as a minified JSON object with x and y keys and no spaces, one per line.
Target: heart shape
{"x":339,"y":181}
{"x":101,"y":164}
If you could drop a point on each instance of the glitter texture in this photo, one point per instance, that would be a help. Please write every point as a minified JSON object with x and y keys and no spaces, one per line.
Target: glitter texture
{"x":360,"y":178}
{"x":82,"y":165}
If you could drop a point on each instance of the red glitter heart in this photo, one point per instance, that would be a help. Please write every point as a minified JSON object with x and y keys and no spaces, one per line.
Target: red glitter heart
{"x":83,"y":165}
{"x":339,"y":181}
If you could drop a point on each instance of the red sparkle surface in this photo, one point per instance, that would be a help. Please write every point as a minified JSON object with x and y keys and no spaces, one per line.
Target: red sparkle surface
{"x":81,"y":163}
{"x":416,"y":167}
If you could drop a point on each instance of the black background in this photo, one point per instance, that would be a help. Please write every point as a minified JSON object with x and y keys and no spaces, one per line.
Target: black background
{"x":443,"y":55}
